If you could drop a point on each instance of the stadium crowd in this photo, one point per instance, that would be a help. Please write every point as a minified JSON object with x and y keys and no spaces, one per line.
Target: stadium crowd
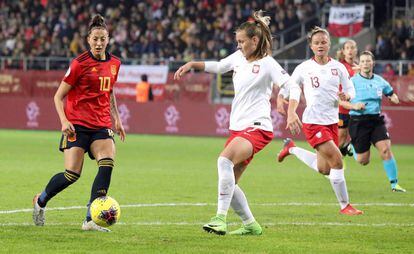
{"x":172,"y":29}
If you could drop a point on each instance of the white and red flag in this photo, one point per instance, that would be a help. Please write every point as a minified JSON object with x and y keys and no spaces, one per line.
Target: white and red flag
{"x":346,"y":21}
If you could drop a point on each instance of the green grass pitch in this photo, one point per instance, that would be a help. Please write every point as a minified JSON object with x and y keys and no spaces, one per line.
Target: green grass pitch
{"x":167,"y":189}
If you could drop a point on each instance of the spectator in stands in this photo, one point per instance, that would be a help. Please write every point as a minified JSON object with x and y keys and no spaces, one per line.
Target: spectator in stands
{"x":401,"y":30}
{"x":411,"y":29}
{"x":57,"y":20}
{"x":410,"y":70}
{"x":388,"y":72}
{"x":143,"y":90}
{"x":383,"y":47}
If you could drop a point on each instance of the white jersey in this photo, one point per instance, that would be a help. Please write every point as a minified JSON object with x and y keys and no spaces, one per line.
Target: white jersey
{"x":253,"y":85}
{"x":321,"y":87}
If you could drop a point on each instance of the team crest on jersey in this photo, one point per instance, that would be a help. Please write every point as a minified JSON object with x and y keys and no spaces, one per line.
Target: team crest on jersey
{"x":113,"y":69}
{"x":334,"y":72}
{"x":256,"y":68}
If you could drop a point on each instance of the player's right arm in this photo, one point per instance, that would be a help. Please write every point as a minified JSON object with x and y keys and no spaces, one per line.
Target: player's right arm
{"x":293,"y":122}
{"x":67,"y":127}
{"x":69,"y":80}
{"x":200,"y":66}
{"x":352,"y":106}
{"x":223,"y":66}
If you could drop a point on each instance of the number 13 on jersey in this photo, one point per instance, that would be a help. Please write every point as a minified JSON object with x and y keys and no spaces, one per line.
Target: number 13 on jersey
{"x":105,"y":83}
{"x":315,"y":82}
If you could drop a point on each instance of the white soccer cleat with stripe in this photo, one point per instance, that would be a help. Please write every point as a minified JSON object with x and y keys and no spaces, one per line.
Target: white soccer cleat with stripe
{"x":92,"y":226}
{"x":38,"y":212}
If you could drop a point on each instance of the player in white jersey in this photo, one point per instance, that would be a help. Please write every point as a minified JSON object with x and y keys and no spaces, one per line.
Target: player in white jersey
{"x":320,"y":77}
{"x":255,"y":72}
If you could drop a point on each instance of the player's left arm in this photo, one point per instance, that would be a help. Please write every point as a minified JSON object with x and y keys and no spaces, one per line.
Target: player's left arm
{"x":119,"y":128}
{"x":389,"y":92}
{"x":348,"y":89}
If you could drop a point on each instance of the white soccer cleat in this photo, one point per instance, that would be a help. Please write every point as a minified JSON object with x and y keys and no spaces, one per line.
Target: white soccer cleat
{"x":92,"y":226}
{"x":38,"y":212}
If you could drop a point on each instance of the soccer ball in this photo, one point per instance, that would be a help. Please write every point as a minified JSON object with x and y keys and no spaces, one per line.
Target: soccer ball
{"x":105,"y":211}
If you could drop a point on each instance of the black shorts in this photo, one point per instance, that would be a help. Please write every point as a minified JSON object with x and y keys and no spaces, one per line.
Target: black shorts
{"x":84,"y":138}
{"x":367,"y":130}
{"x":343,"y":121}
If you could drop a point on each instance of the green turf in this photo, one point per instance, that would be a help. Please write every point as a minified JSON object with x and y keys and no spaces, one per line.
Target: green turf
{"x":179,"y":174}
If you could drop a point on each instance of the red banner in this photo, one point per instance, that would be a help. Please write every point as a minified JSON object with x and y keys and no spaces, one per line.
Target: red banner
{"x":183,"y":118}
{"x":346,"y":21}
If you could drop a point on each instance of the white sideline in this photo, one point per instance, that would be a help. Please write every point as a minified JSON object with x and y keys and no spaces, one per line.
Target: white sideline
{"x":29,"y":210}
{"x":160,"y":223}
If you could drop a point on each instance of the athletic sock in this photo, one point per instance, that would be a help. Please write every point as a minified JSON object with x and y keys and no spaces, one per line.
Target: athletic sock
{"x":57,"y":183}
{"x":226,"y":185}
{"x":306,"y":156}
{"x":337,"y":179}
{"x":102,"y":181}
{"x":390,"y":167}
{"x":241,"y":207}
{"x":355,"y":155}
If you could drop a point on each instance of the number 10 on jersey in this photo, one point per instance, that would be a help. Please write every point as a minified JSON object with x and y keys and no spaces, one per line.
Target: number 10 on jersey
{"x":105,"y":83}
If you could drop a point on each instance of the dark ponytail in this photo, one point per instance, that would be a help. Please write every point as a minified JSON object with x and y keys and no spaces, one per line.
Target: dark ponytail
{"x":97,"y":22}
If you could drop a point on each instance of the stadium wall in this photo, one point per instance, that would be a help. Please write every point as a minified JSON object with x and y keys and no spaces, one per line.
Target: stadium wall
{"x":26,"y":102}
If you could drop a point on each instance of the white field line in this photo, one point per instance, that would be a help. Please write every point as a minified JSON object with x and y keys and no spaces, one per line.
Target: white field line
{"x":183,"y":223}
{"x":29,"y":210}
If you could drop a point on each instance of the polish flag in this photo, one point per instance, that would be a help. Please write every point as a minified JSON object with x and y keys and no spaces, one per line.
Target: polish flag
{"x":346,"y":21}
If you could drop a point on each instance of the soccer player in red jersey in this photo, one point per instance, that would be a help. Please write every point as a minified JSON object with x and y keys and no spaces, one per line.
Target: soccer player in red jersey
{"x":346,"y":55}
{"x":86,"y":121}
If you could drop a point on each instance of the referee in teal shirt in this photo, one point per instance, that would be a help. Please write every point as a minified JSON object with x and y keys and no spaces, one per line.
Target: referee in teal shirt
{"x":367,"y":125}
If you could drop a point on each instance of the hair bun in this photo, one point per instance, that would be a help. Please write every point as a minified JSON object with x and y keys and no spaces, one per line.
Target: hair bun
{"x":98,"y":20}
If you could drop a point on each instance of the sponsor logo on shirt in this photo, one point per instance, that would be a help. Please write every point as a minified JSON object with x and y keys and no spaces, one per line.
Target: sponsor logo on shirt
{"x":256,"y":68}
{"x":94,"y":69}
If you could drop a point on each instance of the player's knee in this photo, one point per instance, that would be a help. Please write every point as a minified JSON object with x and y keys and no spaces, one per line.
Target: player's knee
{"x":324,"y":171}
{"x":336,"y":162}
{"x":385,"y":153}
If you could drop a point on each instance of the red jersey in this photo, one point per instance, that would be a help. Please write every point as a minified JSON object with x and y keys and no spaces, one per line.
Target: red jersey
{"x":92,"y":81}
{"x":351,"y":72}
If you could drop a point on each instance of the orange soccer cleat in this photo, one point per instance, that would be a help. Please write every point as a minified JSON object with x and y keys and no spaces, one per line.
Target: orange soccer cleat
{"x":287,"y":143}
{"x":350,"y":210}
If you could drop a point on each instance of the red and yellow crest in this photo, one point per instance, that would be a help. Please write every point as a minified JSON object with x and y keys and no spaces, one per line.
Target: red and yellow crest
{"x":113,"y":69}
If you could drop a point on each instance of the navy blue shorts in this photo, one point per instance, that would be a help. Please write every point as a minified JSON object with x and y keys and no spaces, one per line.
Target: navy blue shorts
{"x":84,"y":138}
